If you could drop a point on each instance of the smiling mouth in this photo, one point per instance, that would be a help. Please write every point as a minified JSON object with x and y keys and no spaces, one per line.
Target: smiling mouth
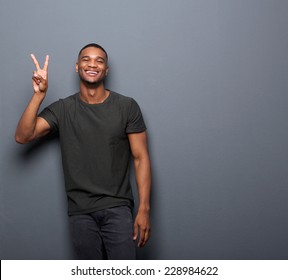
{"x":91,"y":73}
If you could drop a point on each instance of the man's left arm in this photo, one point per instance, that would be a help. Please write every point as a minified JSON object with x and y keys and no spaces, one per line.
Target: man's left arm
{"x":139,"y":149}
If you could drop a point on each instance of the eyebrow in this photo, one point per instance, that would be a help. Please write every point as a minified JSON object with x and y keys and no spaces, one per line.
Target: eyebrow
{"x":97,"y":57}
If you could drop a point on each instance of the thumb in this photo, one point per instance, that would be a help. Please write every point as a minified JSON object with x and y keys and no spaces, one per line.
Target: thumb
{"x":43,"y":84}
{"x":36,"y":78}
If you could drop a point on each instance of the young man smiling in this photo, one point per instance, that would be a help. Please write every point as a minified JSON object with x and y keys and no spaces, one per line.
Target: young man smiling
{"x":99,"y":130}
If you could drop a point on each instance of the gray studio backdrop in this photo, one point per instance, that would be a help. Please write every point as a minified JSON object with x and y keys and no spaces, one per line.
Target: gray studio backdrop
{"x":211,"y":77}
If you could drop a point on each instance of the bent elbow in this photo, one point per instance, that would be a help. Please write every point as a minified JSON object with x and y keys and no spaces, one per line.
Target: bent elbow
{"x":21,"y":140}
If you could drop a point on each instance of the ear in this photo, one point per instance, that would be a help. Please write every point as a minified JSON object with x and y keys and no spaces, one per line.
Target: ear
{"x":107,"y":70}
{"x":76,"y":67}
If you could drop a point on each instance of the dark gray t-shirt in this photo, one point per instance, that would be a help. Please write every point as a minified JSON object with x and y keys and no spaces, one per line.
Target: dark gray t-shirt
{"x":95,"y":149}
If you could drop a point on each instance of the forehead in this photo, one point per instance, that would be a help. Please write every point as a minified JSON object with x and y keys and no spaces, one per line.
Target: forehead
{"x":93,"y":52}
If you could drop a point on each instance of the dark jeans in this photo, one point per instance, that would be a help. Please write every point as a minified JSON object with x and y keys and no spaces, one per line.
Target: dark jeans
{"x":105,"y":234}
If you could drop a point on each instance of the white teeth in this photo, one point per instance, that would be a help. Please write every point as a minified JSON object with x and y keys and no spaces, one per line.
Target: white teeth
{"x":92,"y":72}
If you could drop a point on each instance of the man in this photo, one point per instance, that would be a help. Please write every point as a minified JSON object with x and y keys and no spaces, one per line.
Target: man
{"x":98,"y":131}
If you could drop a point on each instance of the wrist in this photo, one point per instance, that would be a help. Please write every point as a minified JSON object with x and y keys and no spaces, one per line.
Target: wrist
{"x":144,"y":208}
{"x":39,"y":95}
{"x":37,"y":99}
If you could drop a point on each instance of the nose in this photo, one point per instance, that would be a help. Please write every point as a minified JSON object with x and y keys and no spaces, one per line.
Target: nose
{"x":92,"y":63}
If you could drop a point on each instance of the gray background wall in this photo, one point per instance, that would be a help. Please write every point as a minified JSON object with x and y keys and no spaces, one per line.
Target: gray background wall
{"x":211,"y":79}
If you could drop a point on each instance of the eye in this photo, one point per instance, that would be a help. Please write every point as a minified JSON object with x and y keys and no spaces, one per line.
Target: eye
{"x":85,"y":58}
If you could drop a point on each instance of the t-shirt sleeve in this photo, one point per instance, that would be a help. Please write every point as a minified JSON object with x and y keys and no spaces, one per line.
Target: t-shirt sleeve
{"x":135,"y":119}
{"x":50,"y":114}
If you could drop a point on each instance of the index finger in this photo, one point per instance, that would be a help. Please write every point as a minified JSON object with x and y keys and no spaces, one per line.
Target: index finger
{"x":35,"y":61}
{"x":46,"y":63}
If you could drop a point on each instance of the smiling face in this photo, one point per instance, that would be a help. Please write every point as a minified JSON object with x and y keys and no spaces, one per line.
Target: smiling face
{"x":92,"y":66}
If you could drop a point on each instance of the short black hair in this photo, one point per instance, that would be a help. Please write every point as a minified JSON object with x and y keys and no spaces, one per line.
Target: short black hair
{"x":94,"y":45}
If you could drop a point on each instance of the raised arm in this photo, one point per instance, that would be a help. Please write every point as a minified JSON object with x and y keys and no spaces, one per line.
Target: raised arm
{"x":30,"y":126}
{"x":138,"y":144}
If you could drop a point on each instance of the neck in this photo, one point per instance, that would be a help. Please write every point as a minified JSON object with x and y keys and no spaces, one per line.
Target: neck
{"x":93,"y":94}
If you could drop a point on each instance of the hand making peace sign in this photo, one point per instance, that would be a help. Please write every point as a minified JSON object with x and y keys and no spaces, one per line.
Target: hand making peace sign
{"x":40,"y":76}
